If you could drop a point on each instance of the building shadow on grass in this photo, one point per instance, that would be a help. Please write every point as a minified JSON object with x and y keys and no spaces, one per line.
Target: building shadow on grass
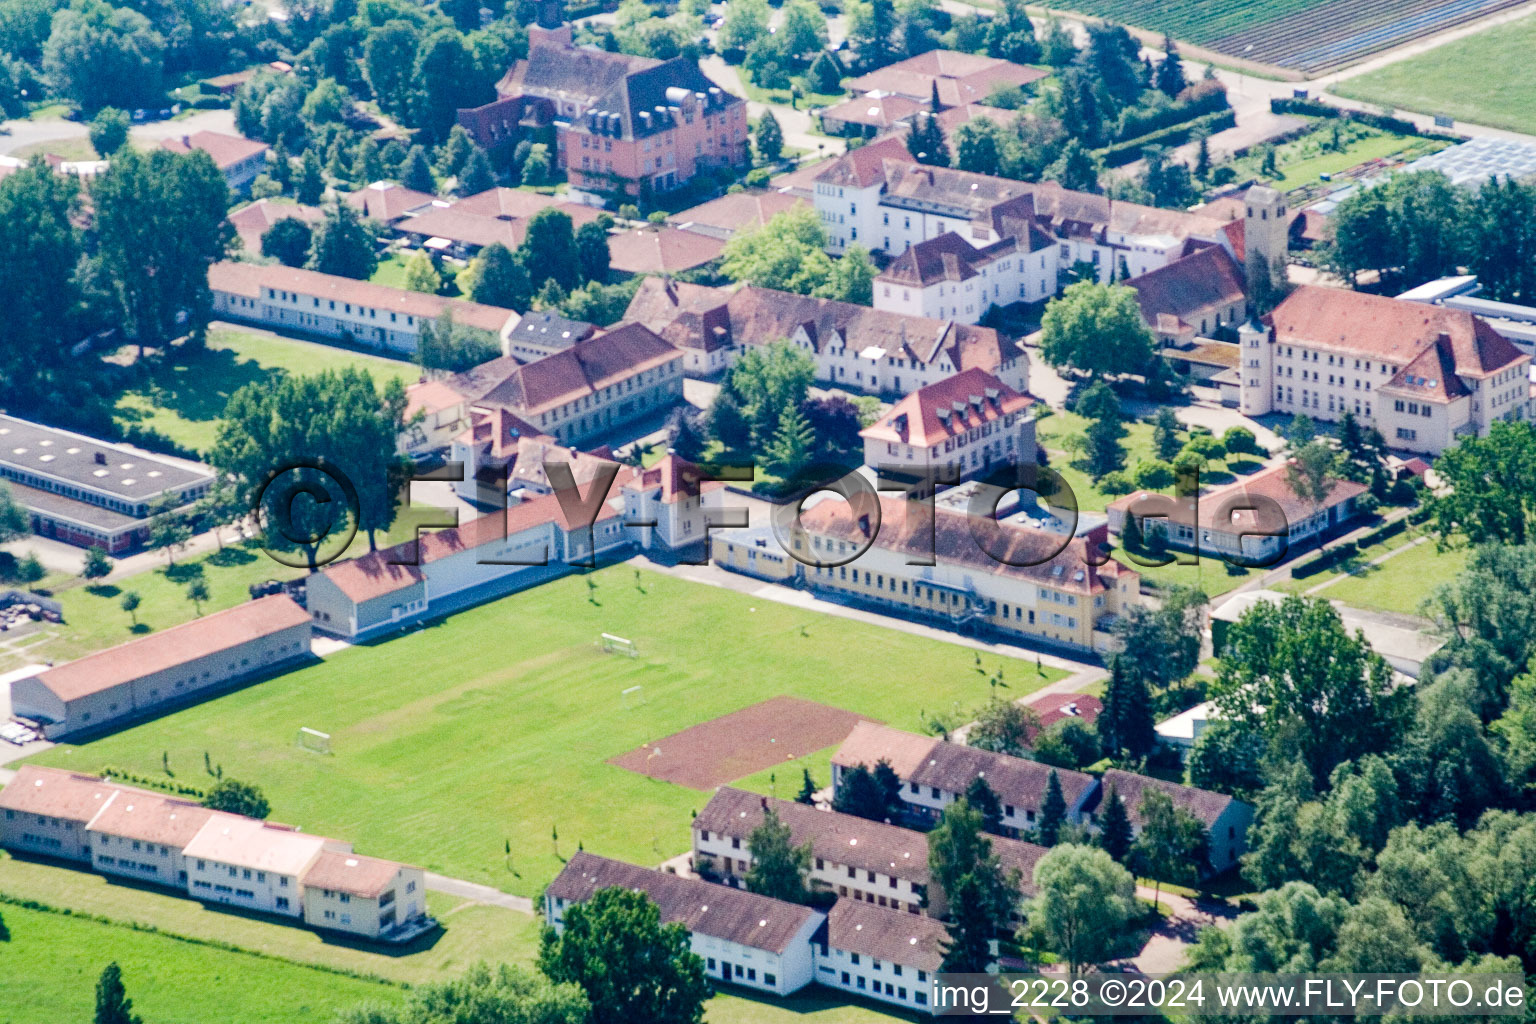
{"x":815,"y":998}
{"x":420,"y":944}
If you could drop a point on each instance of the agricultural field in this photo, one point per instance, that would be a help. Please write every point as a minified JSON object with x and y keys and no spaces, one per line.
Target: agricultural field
{"x":1487,"y":78}
{"x":185,"y":396}
{"x":491,"y":730}
{"x":1301,"y":35}
{"x":1305,"y":160}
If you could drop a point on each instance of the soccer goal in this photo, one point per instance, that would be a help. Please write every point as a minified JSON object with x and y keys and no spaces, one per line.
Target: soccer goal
{"x":314,"y":740}
{"x":618,"y":645}
{"x":632,"y":697}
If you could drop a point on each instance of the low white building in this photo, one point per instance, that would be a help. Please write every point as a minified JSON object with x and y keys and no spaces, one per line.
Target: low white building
{"x":250,"y":864}
{"x":882,"y":954}
{"x":673,"y":495}
{"x":745,"y":939}
{"x":1226,"y":818}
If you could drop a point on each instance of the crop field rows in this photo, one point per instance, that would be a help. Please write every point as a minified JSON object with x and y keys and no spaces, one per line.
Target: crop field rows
{"x":1304,"y":35}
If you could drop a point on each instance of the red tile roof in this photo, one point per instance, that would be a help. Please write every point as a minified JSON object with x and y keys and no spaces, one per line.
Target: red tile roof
{"x":954,"y":405}
{"x":385,"y":201}
{"x":252,"y":220}
{"x":865,"y":166}
{"x":226,"y":150}
{"x":1376,"y":327}
{"x":585,"y":368}
{"x":511,"y":202}
{"x":178,"y":645}
{"x":1058,"y":562}
{"x":248,"y":280}
{"x":677,"y":478}
{"x":703,"y":908}
{"x":367,"y":877}
{"x":57,"y":793}
{"x":152,"y":818}
{"x":737,"y":211}
{"x":1208,"y":278}
{"x":961,"y":77}
{"x":875,"y":111}
{"x":1272,"y":483}
{"x":1203,"y":804}
{"x":664,"y":251}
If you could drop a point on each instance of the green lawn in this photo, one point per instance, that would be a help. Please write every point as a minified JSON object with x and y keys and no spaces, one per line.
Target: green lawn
{"x":1210,"y":574}
{"x":471,"y":931}
{"x":187,"y":395}
{"x":815,"y":1005}
{"x":48,"y":971}
{"x":492,"y":727}
{"x":1403,"y":582}
{"x":1486,"y":78}
{"x":390,"y":271}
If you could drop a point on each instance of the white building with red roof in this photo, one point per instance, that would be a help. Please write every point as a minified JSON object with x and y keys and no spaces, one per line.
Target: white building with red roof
{"x":1425,"y":376}
{"x":955,"y":429}
{"x":329,"y":306}
{"x":219,"y":858}
{"x":238,"y":158}
{"x":147,"y":675}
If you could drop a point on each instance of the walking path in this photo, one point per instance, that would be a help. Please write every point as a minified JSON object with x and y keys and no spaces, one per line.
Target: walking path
{"x":479,"y":893}
{"x":1375,"y":561}
{"x":1165,"y":950}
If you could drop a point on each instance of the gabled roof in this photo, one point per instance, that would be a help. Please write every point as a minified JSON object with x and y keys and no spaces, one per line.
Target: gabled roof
{"x":1431,"y":376}
{"x":947,"y":257}
{"x":737,"y":211}
{"x":875,"y":111}
{"x":582,"y":369}
{"x":1207,"y":278}
{"x":225,"y":150}
{"x":474,"y":228}
{"x":508,"y":203}
{"x":961,"y":77}
{"x":661,"y":251}
{"x":865,"y":166}
{"x":1380,"y":328}
{"x":581,"y":73}
{"x":367,"y":877}
{"x":674,"y":477}
{"x":703,"y":908}
{"x":248,"y":280}
{"x":1272,"y":483}
{"x":946,"y":408}
{"x":252,"y":220}
{"x":686,"y":315}
{"x":385,"y":201}
{"x":177,"y":645}
{"x":1019,"y":552}
{"x":152,"y":818}
{"x":57,"y":793}
{"x":915,"y":941}
{"x":1205,"y":805}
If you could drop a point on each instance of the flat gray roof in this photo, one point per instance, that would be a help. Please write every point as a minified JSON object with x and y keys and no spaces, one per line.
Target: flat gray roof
{"x":109,"y":469}
{"x":60,"y":507}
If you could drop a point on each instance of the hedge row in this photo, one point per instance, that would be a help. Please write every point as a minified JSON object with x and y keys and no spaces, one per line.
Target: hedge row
{"x":1135,"y":123}
{"x":165,"y":785}
{"x":1122,"y":153}
{"x":1327,"y":560}
{"x":1314,"y":108}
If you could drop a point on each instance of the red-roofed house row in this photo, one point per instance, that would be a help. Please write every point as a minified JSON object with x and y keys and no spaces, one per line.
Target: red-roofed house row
{"x":213,"y":856}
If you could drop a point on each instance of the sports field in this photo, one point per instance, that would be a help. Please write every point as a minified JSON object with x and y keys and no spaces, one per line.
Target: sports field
{"x":492,"y":729}
{"x":1486,"y":78}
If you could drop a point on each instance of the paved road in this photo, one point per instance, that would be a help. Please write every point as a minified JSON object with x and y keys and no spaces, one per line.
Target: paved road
{"x":22,"y":133}
{"x":479,"y":893}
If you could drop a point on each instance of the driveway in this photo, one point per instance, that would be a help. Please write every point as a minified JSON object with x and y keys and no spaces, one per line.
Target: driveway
{"x":1168,"y":945}
{"x":23,"y":133}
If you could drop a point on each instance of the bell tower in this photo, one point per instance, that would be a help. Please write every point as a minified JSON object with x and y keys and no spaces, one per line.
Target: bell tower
{"x":1266,"y":236}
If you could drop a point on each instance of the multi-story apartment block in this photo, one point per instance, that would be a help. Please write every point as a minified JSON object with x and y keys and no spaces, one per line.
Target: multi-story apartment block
{"x":958,"y":428}
{"x":962,"y":242}
{"x":584,"y":389}
{"x":1226,"y":818}
{"x":621,"y":124}
{"x":218,"y":858}
{"x":1425,"y":376}
{"x":864,"y":861}
{"x":853,"y":346}
{"x":882,"y":954}
{"x":935,"y":773}
{"x":749,"y":940}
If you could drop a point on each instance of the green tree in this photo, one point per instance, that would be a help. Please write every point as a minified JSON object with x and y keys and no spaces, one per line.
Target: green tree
{"x":1162,"y":645}
{"x":389,"y":52}
{"x":197,"y":593}
{"x":788,"y":253}
{"x":1312,"y":473}
{"x":1053,"y":811}
{"x":498,"y":278}
{"x":1292,"y":673}
{"x":416,"y":171}
{"x":421,"y":273}
{"x":130,"y":603}
{"x":853,"y":277}
{"x":237,"y":798}
{"x":287,"y":241}
{"x":1228,"y":759}
{"x":367,"y":163}
{"x":311,"y":186}
{"x":1490,"y":487}
{"x":792,"y":444}
{"x":1115,"y":834}
{"x":1170,"y":70}
{"x":446,"y":345}
{"x":1083,"y":903}
{"x":477,"y":175}
{"x":767,"y":381}
{"x":986,"y":803}
{"x":630,"y":965}
{"x":97,"y":564}
{"x":344,"y":244}
{"x":108,"y":131}
{"x":768,"y":138}
{"x":1501,"y":247}
{"x":40,"y":251}
{"x":1172,"y":845}
{"x":1004,"y":727}
{"x":745,"y":23}
{"x":160,"y":224}
{"x":592,"y":255}
{"x":97,"y":55}
{"x":779,"y":868}
{"x":807,"y":794}
{"x":506,"y":994}
{"x":959,"y":851}
{"x":978,"y":147}
{"x":1096,"y":329}
{"x":338,"y":417}
{"x":112,"y":1003}
{"x":825,"y":74}
{"x":549,"y":249}
{"x":1075,"y":168}
{"x":169,"y":530}
{"x":445,"y":79}
{"x":1126,"y":725}
{"x":874,"y":794}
